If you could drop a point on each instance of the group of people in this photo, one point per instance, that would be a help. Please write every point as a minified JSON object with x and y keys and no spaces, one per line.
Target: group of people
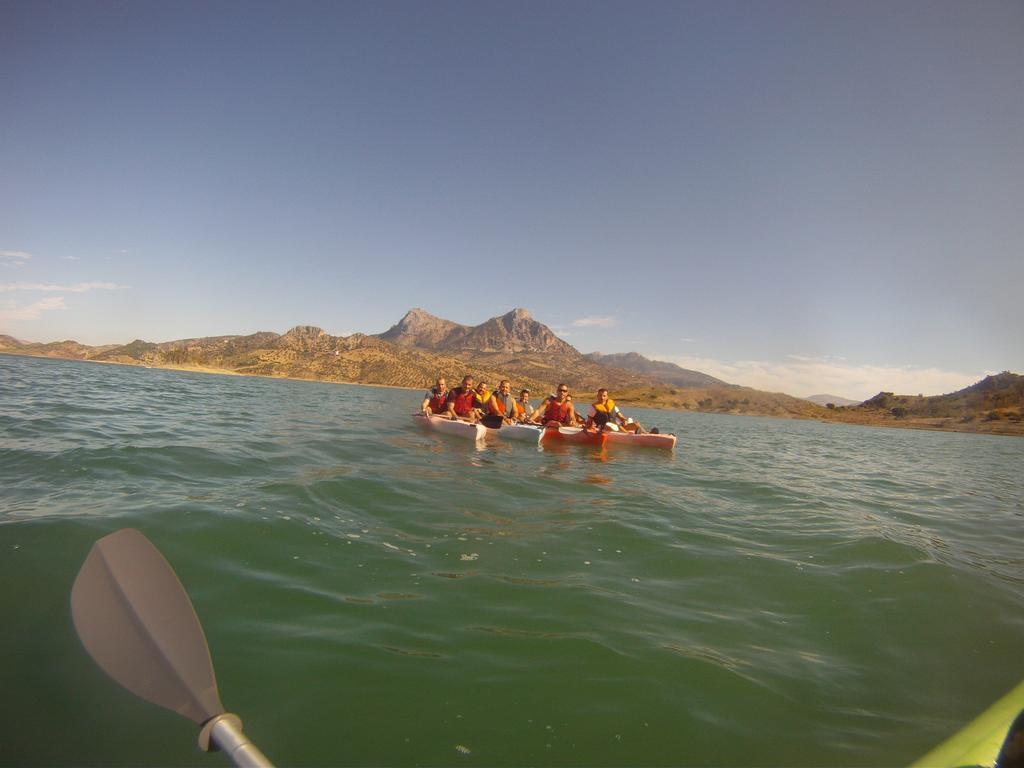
{"x":476,"y":402}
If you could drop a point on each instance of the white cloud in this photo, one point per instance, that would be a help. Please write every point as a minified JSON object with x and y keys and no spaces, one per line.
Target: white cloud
{"x":14,"y":258}
{"x":53,"y":288}
{"x":595,"y":322}
{"x":70,"y":258}
{"x":801,"y":375}
{"x":9,"y":311}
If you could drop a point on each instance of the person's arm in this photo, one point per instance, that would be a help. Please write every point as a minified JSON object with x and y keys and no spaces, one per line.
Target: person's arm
{"x":451,"y":409}
{"x":426,"y":402}
{"x":536,"y":416}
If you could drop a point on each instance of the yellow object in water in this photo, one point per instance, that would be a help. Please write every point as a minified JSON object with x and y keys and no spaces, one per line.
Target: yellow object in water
{"x":979,"y":742}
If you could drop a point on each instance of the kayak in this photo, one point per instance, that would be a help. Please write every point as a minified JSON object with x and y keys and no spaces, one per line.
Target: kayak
{"x":643,"y":440}
{"x":575,"y":435}
{"x":524,"y":432}
{"x":609,"y":437}
{"x":457,"y":428}
{"x":980,"y":742}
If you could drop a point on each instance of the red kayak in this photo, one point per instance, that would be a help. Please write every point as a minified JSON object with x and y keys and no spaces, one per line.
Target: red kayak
{"x":576,"y":435}
{"x":602,"y":438}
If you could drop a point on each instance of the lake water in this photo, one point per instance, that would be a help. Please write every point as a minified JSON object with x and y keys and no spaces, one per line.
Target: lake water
{"x":773,"y":593}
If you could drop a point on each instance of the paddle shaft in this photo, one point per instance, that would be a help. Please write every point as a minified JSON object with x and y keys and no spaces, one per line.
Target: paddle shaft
{"x":224,"y":732}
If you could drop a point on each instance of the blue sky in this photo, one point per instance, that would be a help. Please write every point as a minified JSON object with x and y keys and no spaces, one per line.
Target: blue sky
{"x":797,"y":196}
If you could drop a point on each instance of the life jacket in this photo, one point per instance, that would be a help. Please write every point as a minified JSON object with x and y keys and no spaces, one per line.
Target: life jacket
{"x":482,"y":403}
{"x":603,"y":412}
{"x":438,"y":402}
{"x":463,"y":400}
{"x":517,"y":409}
{"x":557,"y":411}
{"x":499,"y":403}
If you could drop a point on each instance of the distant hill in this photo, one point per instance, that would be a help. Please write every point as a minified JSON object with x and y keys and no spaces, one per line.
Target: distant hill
{"x":515,"y":331}
{"x":69,"y":350}
{"x":995,"y":397}
{"x":834,"y":399}
{"x":994,"y":404}
{"x":660,"y":371}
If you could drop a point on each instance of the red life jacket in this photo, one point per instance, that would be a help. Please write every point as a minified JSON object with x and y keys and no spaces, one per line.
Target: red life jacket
{"x":438,"y":402}
{"x":463,"y":399}
{"x":557,"y":411}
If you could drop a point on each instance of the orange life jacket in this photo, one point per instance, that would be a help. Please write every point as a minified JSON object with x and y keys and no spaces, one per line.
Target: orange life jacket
{"x":438,"y":402}
{"x":463,"y":400}
{"x":557,"y":411}
{"x":517,"y":409}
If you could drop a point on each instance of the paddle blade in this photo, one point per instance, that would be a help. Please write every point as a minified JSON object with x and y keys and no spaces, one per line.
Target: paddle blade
{"x":136,"y":621}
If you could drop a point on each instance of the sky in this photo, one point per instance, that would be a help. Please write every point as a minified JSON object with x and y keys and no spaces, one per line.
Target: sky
{"x":806,"y":197}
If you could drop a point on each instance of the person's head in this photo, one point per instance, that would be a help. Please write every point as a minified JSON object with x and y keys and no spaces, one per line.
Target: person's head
{"x":562,"y":391}
{"x":505,"y":386}
{"x":481,"y":387}
{"x":467,"y":382}
{"x":441,"y":384}
{"x":602,"y":395}
{"x":524,"y":394}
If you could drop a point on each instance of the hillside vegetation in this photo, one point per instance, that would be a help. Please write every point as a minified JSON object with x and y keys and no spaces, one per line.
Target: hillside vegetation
{"x":995,"y":404}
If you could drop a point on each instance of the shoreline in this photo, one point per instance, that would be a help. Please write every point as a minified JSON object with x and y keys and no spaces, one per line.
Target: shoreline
{"x":1017,"y":430}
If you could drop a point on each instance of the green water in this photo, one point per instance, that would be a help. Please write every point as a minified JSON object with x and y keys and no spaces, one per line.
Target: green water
{"x":773,"y":593}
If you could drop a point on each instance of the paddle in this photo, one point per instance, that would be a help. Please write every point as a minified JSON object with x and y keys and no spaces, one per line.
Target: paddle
{"x":136,"y":621}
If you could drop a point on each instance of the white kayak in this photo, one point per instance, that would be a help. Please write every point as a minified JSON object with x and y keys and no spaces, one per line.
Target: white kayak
{"x":458,"y":428}
{"x":527,"y":433}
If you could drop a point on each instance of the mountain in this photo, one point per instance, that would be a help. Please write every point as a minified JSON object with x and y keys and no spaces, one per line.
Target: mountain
{"x":421,"y":329}
{"x":663,"y":372}
{"x":834,"y":399}
{"x":513,"y":332}
{"x":421,"y":347}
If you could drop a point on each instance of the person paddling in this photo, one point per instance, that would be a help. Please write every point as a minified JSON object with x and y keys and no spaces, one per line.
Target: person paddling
{"x":460,"y":401}
{"x":436,"y":400}
{"x":604,"y":414}
{"x":557,"y":409}
{"x":501,"y":407}
{"x":522,"y":409}
{"x":483,"y":404}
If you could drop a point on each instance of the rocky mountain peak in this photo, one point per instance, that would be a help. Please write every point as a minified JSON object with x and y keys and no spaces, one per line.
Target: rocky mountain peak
{"x":419,"y":328}
{"x":515,"y":331}
{"x":305,"y":332}
{"x":517,"y":315}
{"x":306,"y":338}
